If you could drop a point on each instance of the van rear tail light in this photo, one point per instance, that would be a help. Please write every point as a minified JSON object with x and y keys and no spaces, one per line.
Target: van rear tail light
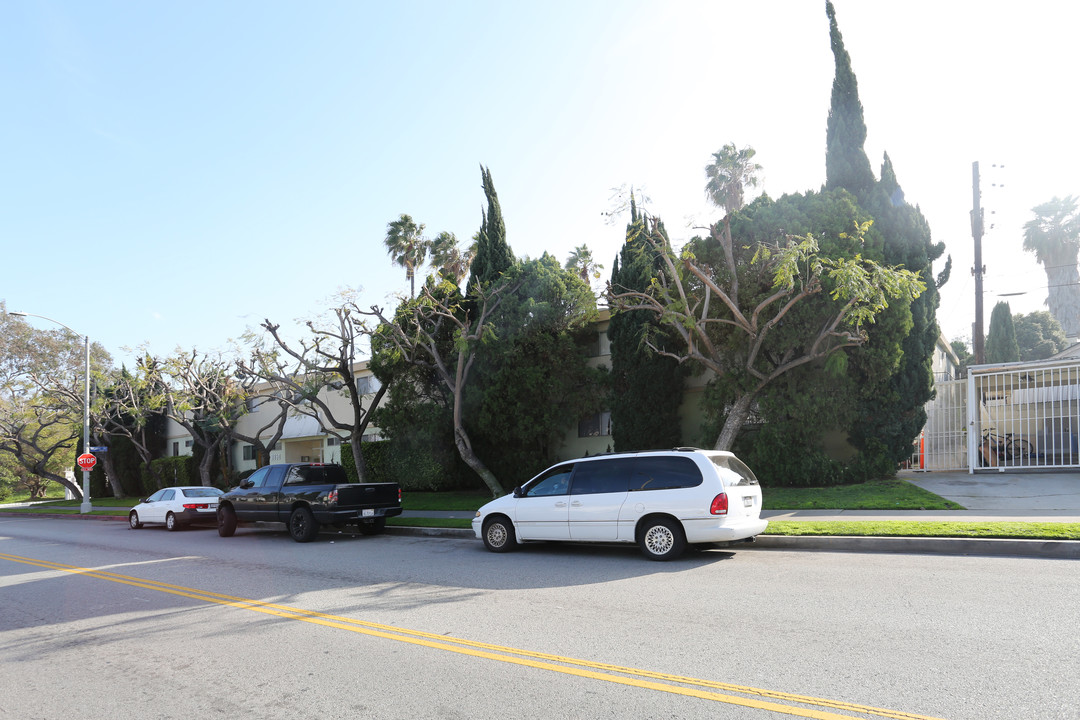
{"x":399,"y":496}
{"x":719,"y":505}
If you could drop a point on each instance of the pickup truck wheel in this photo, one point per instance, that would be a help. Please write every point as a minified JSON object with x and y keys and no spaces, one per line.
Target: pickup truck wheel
{"x":226,"y":521}
{"x":499,"y":534}
{"x":302,"y":525}
{"x":372,"y":527}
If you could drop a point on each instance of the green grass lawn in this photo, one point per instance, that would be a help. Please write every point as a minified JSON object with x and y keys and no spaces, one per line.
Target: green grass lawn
{"x":886,"y":494}
{"x":924,"y":528}
{"x":53,"y":491}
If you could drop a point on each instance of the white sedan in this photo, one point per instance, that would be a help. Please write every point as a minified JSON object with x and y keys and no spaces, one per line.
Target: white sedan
{"x":177,"y":507}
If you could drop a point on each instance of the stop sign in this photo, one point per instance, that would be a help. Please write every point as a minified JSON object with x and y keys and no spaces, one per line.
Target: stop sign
{"x":86,"y":461}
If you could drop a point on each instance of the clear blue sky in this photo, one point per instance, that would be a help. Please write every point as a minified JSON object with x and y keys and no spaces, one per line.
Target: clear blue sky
{"x":173,"y":173}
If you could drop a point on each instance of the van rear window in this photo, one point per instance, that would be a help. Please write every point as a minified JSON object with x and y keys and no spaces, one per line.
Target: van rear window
{"x":663,"y":473}
{"x":738,"y":473}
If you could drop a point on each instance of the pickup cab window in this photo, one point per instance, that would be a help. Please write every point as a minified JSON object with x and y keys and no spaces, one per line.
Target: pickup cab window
{"x":258,"y":478}
{"x":316,"y":475}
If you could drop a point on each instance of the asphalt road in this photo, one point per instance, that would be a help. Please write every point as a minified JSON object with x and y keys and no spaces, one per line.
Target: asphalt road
{"x":97,"y":620}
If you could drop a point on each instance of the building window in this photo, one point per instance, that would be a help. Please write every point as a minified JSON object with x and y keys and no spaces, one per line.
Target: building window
{"x":590,"y":345}
{"x":176,"y":449}
{"x":368,"y":385}
{"x":249,"y":452}
{"x":187,"y":443}
{"x":331,"y":441}
{"x":598,"y":425}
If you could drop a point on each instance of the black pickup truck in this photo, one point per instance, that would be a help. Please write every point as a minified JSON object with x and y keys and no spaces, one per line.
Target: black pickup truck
{"x":305,"y":496}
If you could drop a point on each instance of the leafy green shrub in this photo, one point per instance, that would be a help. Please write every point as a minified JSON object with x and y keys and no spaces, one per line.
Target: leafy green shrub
{"x":412,"y":469}
{"x":179,"y":470}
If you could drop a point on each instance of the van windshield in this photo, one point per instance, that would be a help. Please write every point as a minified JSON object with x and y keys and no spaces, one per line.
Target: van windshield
{"x":739,"y":473}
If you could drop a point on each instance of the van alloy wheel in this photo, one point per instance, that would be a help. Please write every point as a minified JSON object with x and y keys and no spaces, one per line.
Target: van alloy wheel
{"x":662,"y":539}
{"x":499,"y":535}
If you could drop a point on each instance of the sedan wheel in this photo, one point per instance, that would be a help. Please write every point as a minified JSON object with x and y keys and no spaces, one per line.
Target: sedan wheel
{"x":661,"y":539}
{"x":133,"y":520}
{"x":171,"y":523}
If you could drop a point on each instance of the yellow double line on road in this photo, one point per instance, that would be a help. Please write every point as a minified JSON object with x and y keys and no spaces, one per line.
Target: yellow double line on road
{"x":662,"y":682}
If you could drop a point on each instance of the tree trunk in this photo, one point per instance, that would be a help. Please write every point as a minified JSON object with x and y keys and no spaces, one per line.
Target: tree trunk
{"x":358,"y":457}
{"x":736,"y":418}
{"x":205,"y":464}
{"x":109,"y":466}
{"x":74,"y":487}
{"x":465,"y":450}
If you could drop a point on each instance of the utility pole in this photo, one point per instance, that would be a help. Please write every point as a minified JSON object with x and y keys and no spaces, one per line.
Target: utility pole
{"x":977,"y":342}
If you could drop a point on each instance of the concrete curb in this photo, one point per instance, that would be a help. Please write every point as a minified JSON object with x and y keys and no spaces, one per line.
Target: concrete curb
{"x":430,"y":531}
{"x":64,"y":516}
{"x":985,"y":547}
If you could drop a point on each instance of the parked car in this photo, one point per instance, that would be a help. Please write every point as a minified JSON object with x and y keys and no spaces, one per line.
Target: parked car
{"x":661,"y":500}
{"x":177,"y":507}
{"x":306,"y":496}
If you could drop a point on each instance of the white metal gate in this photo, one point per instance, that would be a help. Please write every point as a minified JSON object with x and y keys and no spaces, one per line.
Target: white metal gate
{"x":942,"y":445}
{"x":1015,"y":415}
{"x":1024,"y":415}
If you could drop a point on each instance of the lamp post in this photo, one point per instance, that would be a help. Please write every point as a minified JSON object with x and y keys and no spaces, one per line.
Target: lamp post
{"x":86,"y":506}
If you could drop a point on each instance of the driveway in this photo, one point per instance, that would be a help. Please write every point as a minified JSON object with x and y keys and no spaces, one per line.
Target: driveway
{"x":1023,"y":492}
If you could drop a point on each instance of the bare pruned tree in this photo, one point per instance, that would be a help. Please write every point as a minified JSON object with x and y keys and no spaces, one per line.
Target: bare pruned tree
{"x":201,"y":394}
{"x":418,"y":334}
{"x":130,"y":405}
{"x":729,"y":332}
{"x":298,"y":377}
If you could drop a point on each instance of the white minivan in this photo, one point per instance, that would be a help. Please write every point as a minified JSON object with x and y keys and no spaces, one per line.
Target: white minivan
{"x":660,"y":499}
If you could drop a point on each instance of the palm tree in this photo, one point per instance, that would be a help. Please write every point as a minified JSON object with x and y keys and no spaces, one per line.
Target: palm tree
{"x":449,"y":259}
{"x":407,"y":246}
{"x":581,"y":261}
{"x":1054,"y":236}
{"x":731,"y":172}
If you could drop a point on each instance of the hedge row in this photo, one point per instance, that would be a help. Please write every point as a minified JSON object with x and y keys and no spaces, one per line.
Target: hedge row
{"x":412,"y":471}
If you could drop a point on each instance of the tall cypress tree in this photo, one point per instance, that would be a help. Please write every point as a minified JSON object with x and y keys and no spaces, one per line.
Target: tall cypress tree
{"x":894,"y":418}
{"x":647,"y":388}
{"x":846,"y":164}
{"x":1001,"y":345}
{"x":493,"y":255}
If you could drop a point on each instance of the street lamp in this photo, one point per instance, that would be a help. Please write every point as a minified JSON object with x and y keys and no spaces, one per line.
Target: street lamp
{"x":85,"y":507}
